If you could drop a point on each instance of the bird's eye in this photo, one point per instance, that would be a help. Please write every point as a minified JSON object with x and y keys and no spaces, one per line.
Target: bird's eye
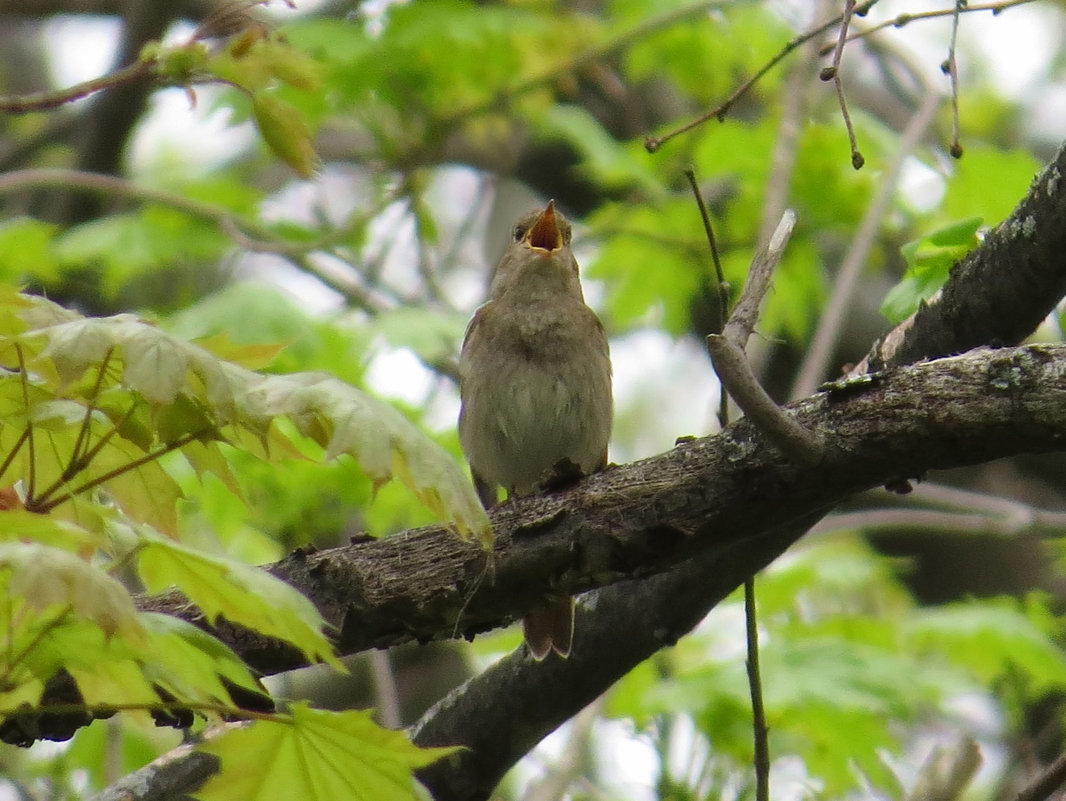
{"x":519,"y":232}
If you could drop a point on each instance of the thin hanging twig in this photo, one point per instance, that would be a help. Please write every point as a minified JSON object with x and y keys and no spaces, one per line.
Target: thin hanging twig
{"x":950,"y":68}
{"x":832,"y":73}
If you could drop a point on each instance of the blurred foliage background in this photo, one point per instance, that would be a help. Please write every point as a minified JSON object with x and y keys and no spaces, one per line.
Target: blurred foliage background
{"x":899,"y":624}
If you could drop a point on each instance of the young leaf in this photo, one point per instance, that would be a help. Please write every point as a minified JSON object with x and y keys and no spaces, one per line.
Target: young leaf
{"x":316,"y":756}
{"x":47,"y":577}
{"x":285,"y":132}
{"x":196,"y":396}
{"x":929,"y":261}
{"x":243,"y":593}
{"x":20,"y":525}
{"x":344,"y":420}
{"x":189,"y":663}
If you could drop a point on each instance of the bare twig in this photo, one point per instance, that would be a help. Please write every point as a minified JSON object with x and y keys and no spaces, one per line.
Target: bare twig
{"x":794,"y":102}
{"x":727,"y":352}
{"x":920,"y":520}
{"x":44,"y":101}
{"x":946,"y":772}
{"x":909,"y":17}
{"x":951,"y":68}
{"x":795,"y":441}
{"x":721,"y":286}
{"x":816,"y":361}
{"x":708,"y":229}
{"x":955,"y":509}
{"x":1046,"y":783}
{"x":760,"y":730}
{"x":388,"y":696}
{"x":248,"y":234}
{"x":573,"y":763}
{"x":653,"y":143}
{"x":745,"y":314}
{"x":31,"y":484}
{"x":1016,"y":514}
{"x":832,"y":73}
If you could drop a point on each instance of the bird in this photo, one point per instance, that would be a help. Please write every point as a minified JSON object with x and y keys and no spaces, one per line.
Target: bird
{"x":535,"y":386}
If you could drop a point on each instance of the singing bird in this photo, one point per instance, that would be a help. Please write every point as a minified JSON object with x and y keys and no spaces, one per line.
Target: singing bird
{"x":535,"y":381}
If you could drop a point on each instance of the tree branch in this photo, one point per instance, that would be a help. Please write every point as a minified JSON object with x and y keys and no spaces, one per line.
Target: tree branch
{"x":700,"y":500}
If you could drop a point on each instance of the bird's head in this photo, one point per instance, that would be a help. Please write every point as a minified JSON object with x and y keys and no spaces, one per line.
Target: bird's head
{"x":539,"y":254}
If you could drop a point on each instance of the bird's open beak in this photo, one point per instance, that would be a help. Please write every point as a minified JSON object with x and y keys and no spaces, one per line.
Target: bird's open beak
{"x":545,"y":233}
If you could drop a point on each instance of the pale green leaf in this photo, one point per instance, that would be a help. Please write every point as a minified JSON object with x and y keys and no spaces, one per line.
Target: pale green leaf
{"x":987,"y":182}
{"x":76,"y":344}
{"x":285,"y":132}
{"x":147,"y":493}
{"x":344,"y":420}
{"x":316,"y":756}
{"x":20,"y":525}
{"x":242,"y":593}
{"x":49,"y":577}
{"x":155,"y":363}
{"x":929,"y":262}
{"x":195,"y":394}
{"x":189,"y":663}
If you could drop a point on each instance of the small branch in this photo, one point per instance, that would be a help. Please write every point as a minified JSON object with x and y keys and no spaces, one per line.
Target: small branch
{"x":731,"y":364}
{"x":11,"y":454}
{"x":46,"y":507}
{"x":86,"y":423}
{"x":758,"y":712}
{"x":1047,"y":782}
{"x":922,"y":520}
{"x":946,"y":772}
{"x":574,"y":761}
{"x":31,"y":484}
{"x":760,"y":730}
{"x":796,"y":442}
{"x":385,"y":689}
{"x":721,"y":285}
{"x":46,"y":101}
{"x":951,"y":68}
{"x":708,"y":229}
{"x":745,"y":314}
{"x":958,"y":510}
{"x":247,"y":234}
{"x":1015,"y":514}
{"x":653,"y":143}
{"x":832,"y":73}
{"x":909,"y":17}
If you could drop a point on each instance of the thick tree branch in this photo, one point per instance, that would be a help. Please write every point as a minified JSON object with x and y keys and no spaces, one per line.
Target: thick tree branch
{"x":698,"y":501}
